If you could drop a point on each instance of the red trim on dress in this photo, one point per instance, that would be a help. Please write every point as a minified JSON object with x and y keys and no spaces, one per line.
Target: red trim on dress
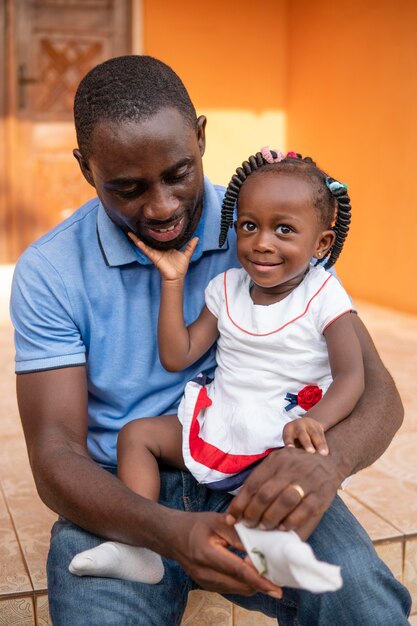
{"x":211,"y":456}
{"x":336,"y":318}
{"x":281,"y":327}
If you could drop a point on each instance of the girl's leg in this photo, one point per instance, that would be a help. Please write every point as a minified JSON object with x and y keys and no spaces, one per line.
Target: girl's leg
{"x":141,"y":444}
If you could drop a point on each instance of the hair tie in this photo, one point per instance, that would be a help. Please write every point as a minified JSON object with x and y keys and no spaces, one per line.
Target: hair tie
{"x":269,"y":157}
{"x":292,"y":155}
{"x":334,"y":186}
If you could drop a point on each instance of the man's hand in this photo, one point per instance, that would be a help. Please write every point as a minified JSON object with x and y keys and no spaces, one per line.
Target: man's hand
{"x":201,"y":544}
{"x":307,"y":433}
{"x":269,"y":500}
{"x":173,"y":264}
{"x":267,"y":497}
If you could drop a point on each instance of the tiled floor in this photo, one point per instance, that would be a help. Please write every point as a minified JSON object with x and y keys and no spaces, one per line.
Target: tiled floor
{"x":383,"y":497}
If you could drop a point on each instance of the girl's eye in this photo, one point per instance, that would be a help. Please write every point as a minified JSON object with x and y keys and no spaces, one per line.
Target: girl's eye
{"x":249,"y":227}
{"x":283,"y":229}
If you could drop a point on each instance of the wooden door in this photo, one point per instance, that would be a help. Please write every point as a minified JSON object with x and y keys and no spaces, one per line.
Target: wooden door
{"x":51,"y":45}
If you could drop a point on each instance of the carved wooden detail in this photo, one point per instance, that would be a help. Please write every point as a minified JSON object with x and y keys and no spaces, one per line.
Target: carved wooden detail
{"x":51,"y":45}
{"x":62,"y":65}
{"x":74,"y":3}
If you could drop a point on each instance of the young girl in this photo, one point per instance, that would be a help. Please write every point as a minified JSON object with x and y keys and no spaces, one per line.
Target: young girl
{"x":289,"y":364}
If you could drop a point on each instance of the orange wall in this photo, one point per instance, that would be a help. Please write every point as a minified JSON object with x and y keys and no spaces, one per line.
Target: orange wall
{"x":337,"y":80}
{"x":232,"y":58}
{"x":352,"y":103}
{"x":228,"y":53}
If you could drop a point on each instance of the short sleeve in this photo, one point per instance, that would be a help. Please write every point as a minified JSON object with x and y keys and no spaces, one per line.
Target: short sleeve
{"x":334,"y":302}
{"x":46,"y":335}
{"x":214,"y":294}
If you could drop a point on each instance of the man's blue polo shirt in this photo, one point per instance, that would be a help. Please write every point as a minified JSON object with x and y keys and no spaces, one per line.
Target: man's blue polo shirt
{"x":83,"y":293}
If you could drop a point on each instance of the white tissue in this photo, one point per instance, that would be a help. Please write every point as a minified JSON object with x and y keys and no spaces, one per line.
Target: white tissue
{"x":287,"y":561}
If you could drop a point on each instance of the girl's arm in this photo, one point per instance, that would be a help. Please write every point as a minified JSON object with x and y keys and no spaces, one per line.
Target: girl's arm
{"x":179,"y":345}
{"x":346,"y":363}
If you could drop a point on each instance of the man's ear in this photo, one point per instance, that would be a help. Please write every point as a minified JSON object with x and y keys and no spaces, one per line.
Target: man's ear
{"x":201,"y":133}
{"x":84,"y":167}
{"x":324,"y":243}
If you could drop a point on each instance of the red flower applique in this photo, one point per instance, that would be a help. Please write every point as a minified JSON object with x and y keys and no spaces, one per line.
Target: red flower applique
{"x":309,"y":396}
{"x":306,"y":398}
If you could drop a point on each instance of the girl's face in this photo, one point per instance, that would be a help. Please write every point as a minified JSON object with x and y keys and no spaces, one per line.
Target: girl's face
{"x":278,"y":232}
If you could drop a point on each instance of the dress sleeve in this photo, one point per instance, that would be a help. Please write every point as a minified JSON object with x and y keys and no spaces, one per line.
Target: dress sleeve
{"x":46,"y":334}
{"x":334,"y":302}
{"x":214,"y":294}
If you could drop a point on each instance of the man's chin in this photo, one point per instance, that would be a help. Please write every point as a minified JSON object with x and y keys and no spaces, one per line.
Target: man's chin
{"x":172,"y":244}
{"x":171,"y":240}
{"x":163,"y":245}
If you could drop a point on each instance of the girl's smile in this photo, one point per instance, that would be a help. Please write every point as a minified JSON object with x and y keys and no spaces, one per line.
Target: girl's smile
{"x":263,"y":267}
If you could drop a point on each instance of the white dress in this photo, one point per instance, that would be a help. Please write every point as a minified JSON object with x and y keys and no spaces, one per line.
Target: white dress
{"x":263,"y":354}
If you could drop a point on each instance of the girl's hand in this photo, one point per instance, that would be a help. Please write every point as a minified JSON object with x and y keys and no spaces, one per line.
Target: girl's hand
{"x":173,"y":264}
{"x":307,"y":433}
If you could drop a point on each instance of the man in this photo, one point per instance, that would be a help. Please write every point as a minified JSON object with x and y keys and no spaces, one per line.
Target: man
{"x":85,"y":305}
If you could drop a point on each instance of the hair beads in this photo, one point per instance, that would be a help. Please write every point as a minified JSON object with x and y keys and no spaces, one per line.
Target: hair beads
{"x":342,"y":222}
{"x":251,"y":165}
{"x":336,"y":193}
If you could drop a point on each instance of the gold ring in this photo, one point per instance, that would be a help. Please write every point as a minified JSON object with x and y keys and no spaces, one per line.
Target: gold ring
{"x":298,"y":489}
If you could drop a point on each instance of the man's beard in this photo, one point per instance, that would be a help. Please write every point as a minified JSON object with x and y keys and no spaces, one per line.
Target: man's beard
{"x":192,"y":217}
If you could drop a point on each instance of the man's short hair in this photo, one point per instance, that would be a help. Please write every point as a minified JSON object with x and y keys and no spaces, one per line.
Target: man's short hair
{"x":128,"y":88}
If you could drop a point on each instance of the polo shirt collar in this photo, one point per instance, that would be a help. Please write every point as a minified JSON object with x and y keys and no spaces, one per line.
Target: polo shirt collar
{"x":114,"y":245}
{"x":117,"y":249}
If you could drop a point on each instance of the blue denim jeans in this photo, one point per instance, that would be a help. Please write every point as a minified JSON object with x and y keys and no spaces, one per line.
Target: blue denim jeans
{"x":370,"y":595}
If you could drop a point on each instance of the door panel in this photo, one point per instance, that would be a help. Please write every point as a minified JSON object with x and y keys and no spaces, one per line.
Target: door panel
{"x":56,"y":42}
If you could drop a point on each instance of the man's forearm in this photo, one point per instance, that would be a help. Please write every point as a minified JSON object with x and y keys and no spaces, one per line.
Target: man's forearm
{"x":362,"y":437}
{"x":94,"y":499}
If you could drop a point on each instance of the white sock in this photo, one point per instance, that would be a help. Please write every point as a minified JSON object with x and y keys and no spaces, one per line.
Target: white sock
{"x":287,"y":561}
{"x":119,"y":560}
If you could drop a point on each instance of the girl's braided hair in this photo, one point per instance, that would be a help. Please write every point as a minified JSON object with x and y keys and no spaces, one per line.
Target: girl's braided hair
{"x":330,"y":198}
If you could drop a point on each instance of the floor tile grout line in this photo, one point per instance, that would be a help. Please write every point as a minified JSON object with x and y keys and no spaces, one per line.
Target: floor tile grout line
{"x":22,"y":554}
{"x":369,"y":508}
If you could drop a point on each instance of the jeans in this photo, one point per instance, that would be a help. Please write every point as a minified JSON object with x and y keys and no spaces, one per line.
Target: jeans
{"x":370,"y":595}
